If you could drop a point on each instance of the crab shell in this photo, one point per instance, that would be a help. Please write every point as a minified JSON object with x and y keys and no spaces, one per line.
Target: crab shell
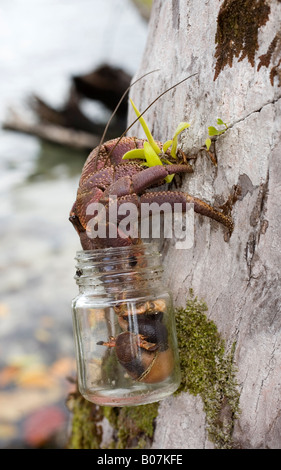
{"x":149,"y":366}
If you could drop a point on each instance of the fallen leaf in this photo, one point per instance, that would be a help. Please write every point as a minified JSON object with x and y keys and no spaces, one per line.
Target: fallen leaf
{"x":42,"y":425}
{"x":35,"y":376}
{"x":8,"y":431}
{"x":8,"y":375}
{"x":26,"y":360}
{"x":16,"y":404}
{"x":63,"y":367}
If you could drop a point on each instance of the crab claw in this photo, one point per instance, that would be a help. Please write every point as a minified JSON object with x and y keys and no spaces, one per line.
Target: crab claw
{"x":146,"y":344}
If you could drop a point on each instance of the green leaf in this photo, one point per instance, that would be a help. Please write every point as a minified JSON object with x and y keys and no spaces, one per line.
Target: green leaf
{"x":135,"y":153}
{"x":146,"y":129}
{"x":221,"y":123}
{"x":167,"y":145}
{"x":169,"y":178}
{"x":150,"y":155}
{"x":179,"y":129}
{"x":166,"y":161}
{"x":208,"y":143}
{"x":213,"y":131}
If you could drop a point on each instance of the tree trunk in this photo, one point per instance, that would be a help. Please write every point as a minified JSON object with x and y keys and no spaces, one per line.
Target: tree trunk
{"x":234,"y":47}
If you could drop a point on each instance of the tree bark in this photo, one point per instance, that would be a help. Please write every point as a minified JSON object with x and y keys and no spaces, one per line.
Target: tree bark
{"x":238,"y":80}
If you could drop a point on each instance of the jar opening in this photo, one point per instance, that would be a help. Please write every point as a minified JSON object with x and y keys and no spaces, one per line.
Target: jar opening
{"x":121,"y":268}
{"x":122,"y":251}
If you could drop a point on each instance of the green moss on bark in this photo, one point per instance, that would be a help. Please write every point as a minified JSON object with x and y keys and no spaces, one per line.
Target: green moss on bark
{"x":207,"y":370}
{"x":86,"y":431}
{"x":133,"y":427}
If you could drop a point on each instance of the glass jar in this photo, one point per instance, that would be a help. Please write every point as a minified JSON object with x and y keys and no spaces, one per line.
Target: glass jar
{"x":124,"y":327}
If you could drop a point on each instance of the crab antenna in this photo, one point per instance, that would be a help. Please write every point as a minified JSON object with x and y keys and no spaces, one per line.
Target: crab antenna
{"x":117,"y":106}
{"x":154,"y":101}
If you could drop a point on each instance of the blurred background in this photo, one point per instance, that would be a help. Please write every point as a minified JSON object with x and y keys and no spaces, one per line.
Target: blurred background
{"x":63,"y":64}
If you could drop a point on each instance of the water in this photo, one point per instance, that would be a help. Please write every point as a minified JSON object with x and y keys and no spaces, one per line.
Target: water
{"x":43,"y":43}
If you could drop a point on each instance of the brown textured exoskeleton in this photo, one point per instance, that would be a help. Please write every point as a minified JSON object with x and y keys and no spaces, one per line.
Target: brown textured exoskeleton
{"x":106,"y":174}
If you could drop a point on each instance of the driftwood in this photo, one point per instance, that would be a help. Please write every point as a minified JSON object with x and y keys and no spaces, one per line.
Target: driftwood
{"x":70,"y":115}
{"x":68,"y":125}
{"x":51,"y":133}
{"x":106,"y":84}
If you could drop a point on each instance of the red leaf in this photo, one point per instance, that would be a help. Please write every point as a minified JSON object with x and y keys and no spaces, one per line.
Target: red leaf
{"x":42,"y":425}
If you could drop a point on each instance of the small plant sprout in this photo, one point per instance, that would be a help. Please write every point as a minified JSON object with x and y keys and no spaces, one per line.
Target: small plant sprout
{"x":151,"y":152}
{"x":212,"y":131}
{"x":208,"y":143}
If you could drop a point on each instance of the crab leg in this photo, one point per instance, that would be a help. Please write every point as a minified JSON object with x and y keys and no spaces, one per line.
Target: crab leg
{"x":110,"y":344}
{"x":178,"y":197}
{"x":142,"y":180}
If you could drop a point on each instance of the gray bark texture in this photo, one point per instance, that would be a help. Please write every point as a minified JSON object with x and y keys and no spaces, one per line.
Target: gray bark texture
{"x":240,"y":278}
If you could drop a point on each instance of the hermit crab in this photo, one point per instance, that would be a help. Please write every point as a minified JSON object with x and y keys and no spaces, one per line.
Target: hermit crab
{"x":126,"y":168}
